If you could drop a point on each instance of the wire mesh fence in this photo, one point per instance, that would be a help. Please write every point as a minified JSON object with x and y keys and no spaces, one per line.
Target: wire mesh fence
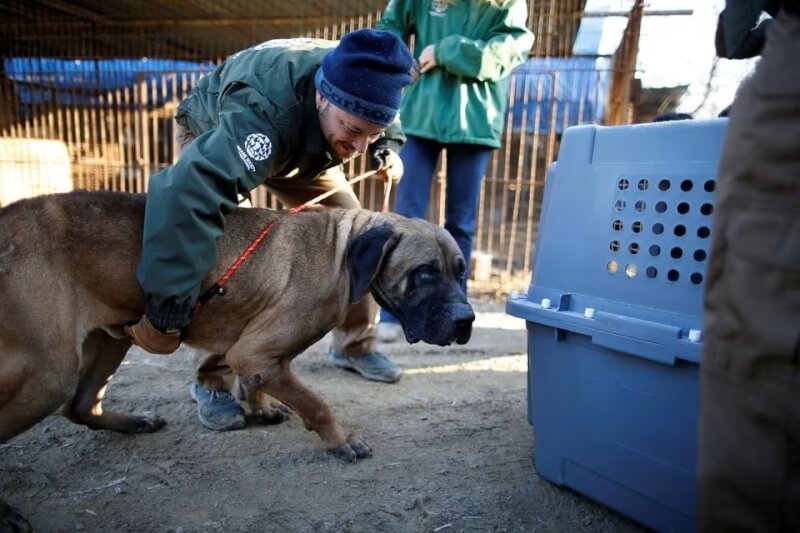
{"x":105,"y":79}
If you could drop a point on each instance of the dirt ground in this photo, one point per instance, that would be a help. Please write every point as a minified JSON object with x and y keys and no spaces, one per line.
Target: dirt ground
{"x":451,"y":441}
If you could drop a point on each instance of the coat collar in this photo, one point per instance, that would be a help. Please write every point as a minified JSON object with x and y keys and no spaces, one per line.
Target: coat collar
{"x":315,"y":140}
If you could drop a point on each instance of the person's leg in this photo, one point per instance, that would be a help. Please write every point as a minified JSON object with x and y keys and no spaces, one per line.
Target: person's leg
{"x":466,"y":166}
{"x":412,"y":196}
{"x":353,"y":344}
{"x":217,"y":409}
{"x":749,"y":430}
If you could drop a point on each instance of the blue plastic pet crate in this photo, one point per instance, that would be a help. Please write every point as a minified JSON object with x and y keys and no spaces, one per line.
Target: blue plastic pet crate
{"x":614,"y":315}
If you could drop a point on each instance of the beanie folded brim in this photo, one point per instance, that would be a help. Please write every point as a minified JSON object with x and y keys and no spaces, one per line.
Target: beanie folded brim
{"x":371,"y":112}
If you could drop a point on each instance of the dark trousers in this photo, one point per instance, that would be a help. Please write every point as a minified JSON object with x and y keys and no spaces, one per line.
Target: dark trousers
{"x":466,"y":166}
{"x":749,"y":435}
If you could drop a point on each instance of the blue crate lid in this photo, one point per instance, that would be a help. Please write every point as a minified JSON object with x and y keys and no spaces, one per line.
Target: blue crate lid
{"x":625,"y":231}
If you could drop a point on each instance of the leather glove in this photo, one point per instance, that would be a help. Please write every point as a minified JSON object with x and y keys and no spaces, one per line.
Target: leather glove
{"x":389,"y":164}
{"x":148,"y":337}
{"x":415,"y":73}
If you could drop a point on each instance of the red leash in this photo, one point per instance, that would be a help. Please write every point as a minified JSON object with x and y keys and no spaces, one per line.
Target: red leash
{"x":219,"y":287}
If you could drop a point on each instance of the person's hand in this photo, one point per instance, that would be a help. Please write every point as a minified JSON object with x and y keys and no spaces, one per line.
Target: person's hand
{"x":414,"y":71}
{"x":389,"y":164}
{"x":149,"y":338}
{"x":427,"y":59}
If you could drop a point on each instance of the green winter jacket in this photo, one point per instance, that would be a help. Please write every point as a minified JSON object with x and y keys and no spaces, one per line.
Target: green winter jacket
{"x":477,"y":45}
{"x":255,"y":117}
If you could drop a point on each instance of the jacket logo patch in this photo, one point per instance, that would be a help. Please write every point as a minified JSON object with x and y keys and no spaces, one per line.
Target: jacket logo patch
{"x":438,"y":8}
{"x":246,"y":160}
{"x":258,"y":146}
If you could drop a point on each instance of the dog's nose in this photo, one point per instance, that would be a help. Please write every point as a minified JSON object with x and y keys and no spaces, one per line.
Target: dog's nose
{"x":463,"y":332}
{"x":462,"y":313}
{"x":463,"y":316}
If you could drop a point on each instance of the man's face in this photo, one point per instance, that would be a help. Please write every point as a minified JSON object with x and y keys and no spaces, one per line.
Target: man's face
{"x":347,"y":134}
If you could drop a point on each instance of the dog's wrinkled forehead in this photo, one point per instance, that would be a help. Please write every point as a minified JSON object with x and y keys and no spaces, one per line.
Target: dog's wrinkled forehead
{"x":427,"y":243}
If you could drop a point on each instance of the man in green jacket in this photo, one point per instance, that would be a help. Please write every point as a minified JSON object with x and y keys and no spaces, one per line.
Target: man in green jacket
{"x":286,"y":113}
{"x":466,"y":50}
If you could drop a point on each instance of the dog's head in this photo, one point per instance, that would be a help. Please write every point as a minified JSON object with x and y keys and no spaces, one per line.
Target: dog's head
{"x":414,"y":270}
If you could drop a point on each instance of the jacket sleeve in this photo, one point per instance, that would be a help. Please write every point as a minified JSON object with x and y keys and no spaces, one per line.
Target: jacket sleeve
{"x":505,"y":47}
{"x":738,"y":35}
{"x":187,"y":203}
{"x":393,"y":138}
{"x":398,"y":18}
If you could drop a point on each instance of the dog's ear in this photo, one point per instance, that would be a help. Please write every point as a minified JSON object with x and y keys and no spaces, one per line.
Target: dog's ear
{"x":365,"y":255}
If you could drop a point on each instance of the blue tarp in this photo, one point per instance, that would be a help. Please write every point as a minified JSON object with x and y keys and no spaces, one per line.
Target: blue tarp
{"x":88,"y":81}
{"x":558,"y":93}
{"x":547,"y":92}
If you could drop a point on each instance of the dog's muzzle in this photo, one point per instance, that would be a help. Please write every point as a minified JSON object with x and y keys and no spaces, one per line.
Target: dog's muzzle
{"x":463,"y":317}
{"x":449,"y":324}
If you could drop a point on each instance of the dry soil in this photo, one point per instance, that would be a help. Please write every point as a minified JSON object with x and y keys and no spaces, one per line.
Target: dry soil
{"x":452,"y":452}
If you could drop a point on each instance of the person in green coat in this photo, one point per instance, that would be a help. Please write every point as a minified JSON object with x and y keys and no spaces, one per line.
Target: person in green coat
{"x":466,"y":49}
{"x":285,"y":113}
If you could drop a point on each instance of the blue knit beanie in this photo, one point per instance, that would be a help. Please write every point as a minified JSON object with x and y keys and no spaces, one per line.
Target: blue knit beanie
{"x":365,"y":75}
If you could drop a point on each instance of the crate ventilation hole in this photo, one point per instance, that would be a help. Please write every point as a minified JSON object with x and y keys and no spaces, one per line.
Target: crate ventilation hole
{"x":639,"y":230}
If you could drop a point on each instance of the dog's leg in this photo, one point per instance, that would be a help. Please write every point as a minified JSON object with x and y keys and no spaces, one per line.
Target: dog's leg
{"x":20,"y":411}
{"x":279,"y":382}
{"x":11,"y":520}
{"x":262,"y":408}
{"x":102,"y":355}
{"x":34,"y":382}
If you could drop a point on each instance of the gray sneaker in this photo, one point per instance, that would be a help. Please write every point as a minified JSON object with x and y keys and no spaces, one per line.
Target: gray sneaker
{"x":374,"y":366}
{"x":389,"y":331}
{"x":217,"y":410}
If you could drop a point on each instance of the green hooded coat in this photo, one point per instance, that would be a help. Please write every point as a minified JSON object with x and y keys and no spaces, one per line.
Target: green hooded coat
{"x":477,"y":45}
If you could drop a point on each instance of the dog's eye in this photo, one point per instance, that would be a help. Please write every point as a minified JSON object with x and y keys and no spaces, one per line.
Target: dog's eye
{"x":460,"y":270}
{"x":426,"y":274}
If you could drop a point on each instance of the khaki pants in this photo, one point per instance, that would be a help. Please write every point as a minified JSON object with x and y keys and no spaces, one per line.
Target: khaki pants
{"x":749,"y":435}
{"x":355,"y":336}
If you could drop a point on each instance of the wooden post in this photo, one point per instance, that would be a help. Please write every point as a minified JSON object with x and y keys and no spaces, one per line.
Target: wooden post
{"x":624,"y":69}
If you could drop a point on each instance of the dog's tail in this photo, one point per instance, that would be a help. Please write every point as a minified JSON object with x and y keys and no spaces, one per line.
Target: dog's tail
{"x":5,"y":257}
{"x":11,"y":232}
{"x":15,"y":237}
{"x":68,"y":248}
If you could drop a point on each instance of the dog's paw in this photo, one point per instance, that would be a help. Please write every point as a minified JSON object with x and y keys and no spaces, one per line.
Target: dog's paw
{"x":11,"y":520}
{"x":148,"y":423}
{"x":352,"y":450}
{"x":275,"y":414}
{"x":361,"y":448}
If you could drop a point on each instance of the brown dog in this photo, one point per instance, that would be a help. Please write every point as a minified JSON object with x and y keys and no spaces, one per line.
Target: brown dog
{"x":67,"y":284}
